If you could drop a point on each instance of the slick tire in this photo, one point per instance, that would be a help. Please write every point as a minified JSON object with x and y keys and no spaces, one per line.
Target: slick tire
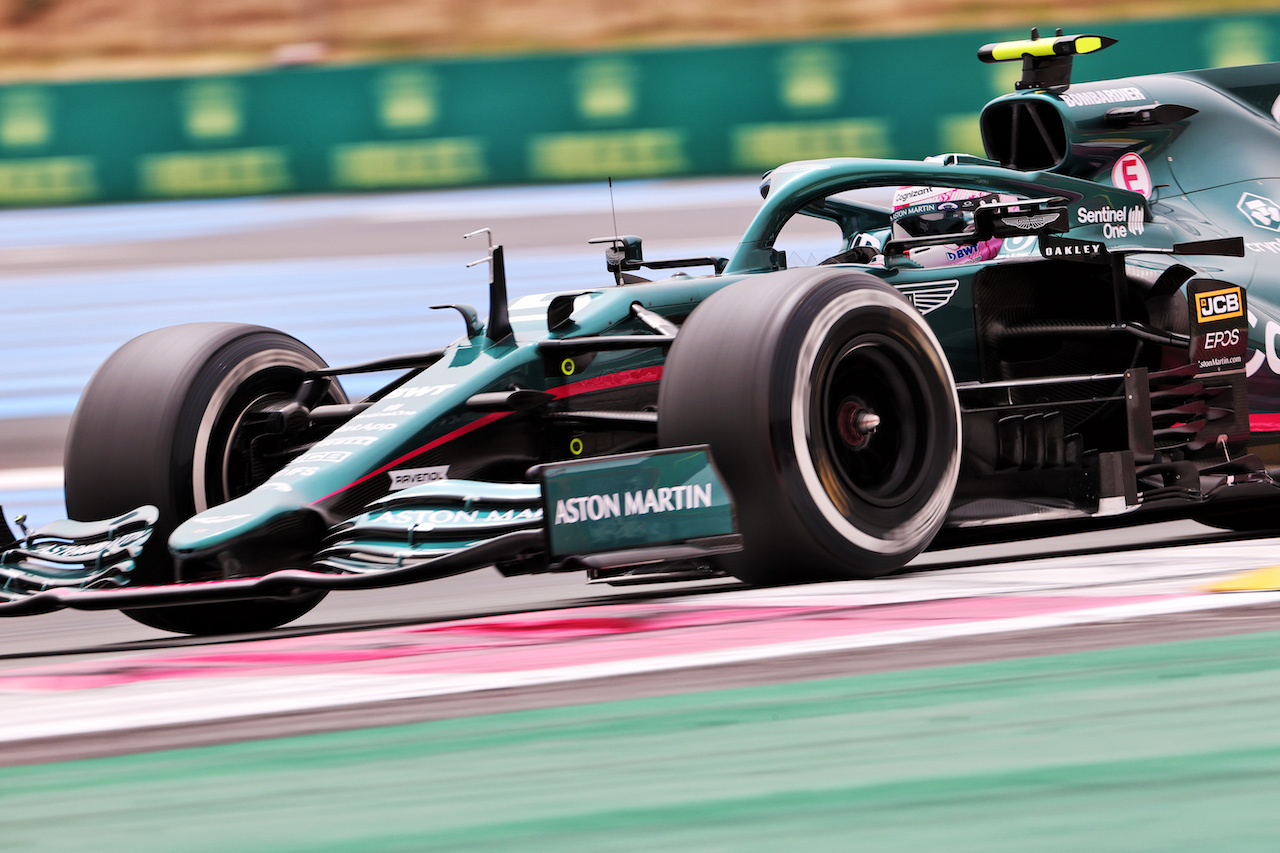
{"x":784,"y":377}
{"x":157,"y":425}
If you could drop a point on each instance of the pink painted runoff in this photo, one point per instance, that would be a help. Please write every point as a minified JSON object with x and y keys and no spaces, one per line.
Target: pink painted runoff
{"x":542,"y":640}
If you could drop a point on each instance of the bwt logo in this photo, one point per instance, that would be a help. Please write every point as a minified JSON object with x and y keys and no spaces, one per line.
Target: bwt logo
{"x":1218,"y":305}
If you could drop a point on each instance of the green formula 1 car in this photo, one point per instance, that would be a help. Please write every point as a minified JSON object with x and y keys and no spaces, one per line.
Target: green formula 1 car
{"x":1080,"y":329}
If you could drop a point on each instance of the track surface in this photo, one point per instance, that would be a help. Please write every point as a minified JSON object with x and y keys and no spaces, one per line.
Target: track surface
{"x":1166,"y":747}
{"x":902,"y":711}
{"x":80,"y":686}
{"x":1094,"y":562}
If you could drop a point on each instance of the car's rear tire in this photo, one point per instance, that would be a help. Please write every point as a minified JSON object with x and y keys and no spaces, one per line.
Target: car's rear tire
{"x":779,"y":375}
{"x":157,"y":425}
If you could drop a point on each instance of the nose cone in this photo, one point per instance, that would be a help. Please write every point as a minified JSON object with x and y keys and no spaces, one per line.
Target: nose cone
{"x":249,"y":536}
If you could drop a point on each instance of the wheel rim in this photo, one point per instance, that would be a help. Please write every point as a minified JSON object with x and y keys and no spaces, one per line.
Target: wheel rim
{"x":235,"y":471}
{"x":868,"y":409}
{"x":267,"y":376}
{"x":890,"y":497}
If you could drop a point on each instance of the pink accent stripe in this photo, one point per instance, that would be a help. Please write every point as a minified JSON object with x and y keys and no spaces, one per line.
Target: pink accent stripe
{"x":639,"y":376}
{"x":598,"y":383}
{"x":1265,"y":422}
{"x":589,"y":635}
{"x":450,"y":436}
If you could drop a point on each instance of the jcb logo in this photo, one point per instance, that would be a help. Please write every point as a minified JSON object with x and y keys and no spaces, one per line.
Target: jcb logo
{"x":1218,"y":305}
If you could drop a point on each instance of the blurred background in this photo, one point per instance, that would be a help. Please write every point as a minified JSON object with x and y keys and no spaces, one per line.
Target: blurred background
{"x":111,"y":100}
{"x":311,"y":165}
{"x":50,"y":39}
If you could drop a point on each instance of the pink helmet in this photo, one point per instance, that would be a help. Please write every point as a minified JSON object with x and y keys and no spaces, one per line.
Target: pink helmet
{"x":934,"y":211}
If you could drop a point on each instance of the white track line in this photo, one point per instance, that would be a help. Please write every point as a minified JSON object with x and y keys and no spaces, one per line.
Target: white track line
{"x":30,"y":479}
{"x":181,"y":701}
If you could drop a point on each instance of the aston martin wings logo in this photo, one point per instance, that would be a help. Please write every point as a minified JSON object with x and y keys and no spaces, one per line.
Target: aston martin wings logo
{"x":1135,"y":220}
{"x":1030,"y":223}
{"x":928,"y":296}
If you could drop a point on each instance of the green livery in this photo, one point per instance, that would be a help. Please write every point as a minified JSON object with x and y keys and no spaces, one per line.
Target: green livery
{"x":633,"y":500}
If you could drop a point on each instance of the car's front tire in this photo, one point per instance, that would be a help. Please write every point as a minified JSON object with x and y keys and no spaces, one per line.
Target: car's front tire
{"x":158,"y":424}
{"x":832,"y":414}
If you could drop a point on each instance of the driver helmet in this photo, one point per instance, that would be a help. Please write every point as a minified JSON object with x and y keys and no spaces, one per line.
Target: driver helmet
{"x":934,"y":211}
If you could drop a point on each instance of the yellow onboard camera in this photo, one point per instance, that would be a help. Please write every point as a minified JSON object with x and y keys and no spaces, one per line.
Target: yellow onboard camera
{"x":1046,"y":63}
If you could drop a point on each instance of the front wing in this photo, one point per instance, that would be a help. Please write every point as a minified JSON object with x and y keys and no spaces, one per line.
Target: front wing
{"x":605,"y":515}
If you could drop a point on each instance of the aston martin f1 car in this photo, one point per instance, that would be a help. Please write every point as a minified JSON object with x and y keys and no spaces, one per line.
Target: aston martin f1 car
{"x":1080,"y":328}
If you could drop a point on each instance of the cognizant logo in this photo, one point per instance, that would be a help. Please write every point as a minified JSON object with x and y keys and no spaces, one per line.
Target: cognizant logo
{"x":1268,"y":354}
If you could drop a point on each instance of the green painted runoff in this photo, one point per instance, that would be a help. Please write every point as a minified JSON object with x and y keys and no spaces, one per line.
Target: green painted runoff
{"x":1164,"y":747}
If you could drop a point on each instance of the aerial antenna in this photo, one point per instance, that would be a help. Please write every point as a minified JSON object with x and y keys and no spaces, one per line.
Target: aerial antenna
{"x":499,"y":320}
{"x":614,"y":208}
{"x":617,"y":274}
{"x":624,"y":252}
{"x":488,"y":233}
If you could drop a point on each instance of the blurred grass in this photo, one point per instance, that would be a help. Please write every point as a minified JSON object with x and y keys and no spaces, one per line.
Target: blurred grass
{"x":71,"y":39}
